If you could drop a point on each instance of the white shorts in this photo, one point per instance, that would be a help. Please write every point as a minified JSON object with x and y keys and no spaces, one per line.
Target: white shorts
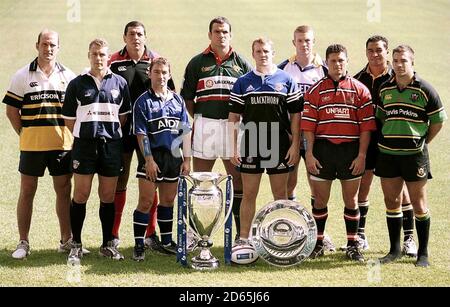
{"x":211,"y":139}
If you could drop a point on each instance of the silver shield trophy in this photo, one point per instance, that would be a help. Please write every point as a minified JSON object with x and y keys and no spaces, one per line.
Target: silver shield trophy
{"x":284,"y":233}
{"x":207,"y":213}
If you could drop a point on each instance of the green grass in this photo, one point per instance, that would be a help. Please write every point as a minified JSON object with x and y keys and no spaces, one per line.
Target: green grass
{"x":178,"y":30}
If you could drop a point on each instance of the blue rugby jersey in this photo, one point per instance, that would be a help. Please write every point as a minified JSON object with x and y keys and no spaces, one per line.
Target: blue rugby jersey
{"x":95,"y":106}
{"x":163,"y":121}
{"x":266,"y":99}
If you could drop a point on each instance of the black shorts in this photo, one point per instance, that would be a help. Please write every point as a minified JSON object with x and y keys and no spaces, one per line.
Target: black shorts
{"x":130,"y":144}
{"x":101,"y":156}
{"x":335,"y":159}
{"x":256,"y":165}
{"x":34,"y":163}
{"x":409,"y":167}
{"x":167,"y":163}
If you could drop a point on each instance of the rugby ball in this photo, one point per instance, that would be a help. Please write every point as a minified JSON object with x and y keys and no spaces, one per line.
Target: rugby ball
{"x":243,"y":254}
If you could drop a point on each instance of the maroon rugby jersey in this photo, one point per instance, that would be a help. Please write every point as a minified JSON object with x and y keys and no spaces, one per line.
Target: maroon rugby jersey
{"x":338,"y":111}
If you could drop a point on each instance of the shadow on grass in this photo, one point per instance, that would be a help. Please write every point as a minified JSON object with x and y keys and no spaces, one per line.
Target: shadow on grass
{"x":156,"y":263}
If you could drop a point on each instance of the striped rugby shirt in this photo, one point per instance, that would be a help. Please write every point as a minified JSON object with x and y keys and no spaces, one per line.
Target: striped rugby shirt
{"x":40,"y":100}
{"x":135,"y":73}
{"x":208,"y":82}
{"x":162,"y":120}
{"x":96,"y":105}
{"x":266,"y":99}
{"x":406,"y":115}
{"x":338,"y":111}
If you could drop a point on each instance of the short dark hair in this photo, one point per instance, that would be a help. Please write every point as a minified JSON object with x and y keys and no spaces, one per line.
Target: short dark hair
{"x":133,"y":24}
{"x":335,"y":48}
{"x":377,"y":38}
{"x":161,"y":61}
{"x":404,"y":48}
{"x":220,"y":20}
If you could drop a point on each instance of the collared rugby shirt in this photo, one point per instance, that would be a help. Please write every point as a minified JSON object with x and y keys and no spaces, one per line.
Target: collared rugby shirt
{"x":266,"y":100}
{"x":135,"y":73}
{"x":338,"y":111}
{"x":305,"y":76}
{"x":208,"y":82}
{"x":40,"y":100}
{"x":164,"y":121}
{"x":406,"y":116}
{"x":96,"y":105}
{"x":374,"y":83}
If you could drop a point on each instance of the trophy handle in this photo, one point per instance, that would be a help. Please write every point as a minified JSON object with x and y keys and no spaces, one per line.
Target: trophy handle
{"x":231,"y":192}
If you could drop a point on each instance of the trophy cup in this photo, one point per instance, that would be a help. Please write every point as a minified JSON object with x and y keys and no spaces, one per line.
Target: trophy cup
{"x":207,"y":214}
{"x":284,"y":233}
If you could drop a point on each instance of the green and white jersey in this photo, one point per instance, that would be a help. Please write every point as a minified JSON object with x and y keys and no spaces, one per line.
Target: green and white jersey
{"x":406,"y":116}
{"x":208,"y":82}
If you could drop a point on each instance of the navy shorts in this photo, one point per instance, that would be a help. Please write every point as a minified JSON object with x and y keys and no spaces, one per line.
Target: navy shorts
{"x":409,"y":167}
{"x":255,"y":165}
{"x":102,"y":156}
{"x":130,"y":144}
{"x":34,"y":163}
{"x":169,"y":165}
{"x":335,"y":159}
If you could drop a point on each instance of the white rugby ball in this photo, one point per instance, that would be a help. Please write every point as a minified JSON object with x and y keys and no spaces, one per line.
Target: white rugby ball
{"x":243,"y":254}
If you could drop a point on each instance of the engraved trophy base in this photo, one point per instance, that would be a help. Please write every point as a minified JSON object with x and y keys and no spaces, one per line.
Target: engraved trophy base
{"x":205,"y":261}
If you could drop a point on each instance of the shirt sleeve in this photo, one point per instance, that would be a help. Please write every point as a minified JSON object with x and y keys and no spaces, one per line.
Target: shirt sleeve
{"x":15,"y":93}
{"x":125,"y":107}
{"x":69,"y":109}
{"x":365,"y":111}
{"x":237,"y":102}
{"x":293,"y":97}
{"x":434,"y":108}
{"x":140,"y":118}
{"x":189,"y":86}
{"x":309,"y":115}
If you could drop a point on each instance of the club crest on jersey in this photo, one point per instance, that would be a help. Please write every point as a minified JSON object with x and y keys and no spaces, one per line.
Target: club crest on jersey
{"x":236,"y":68}
{"x":209,"y":83}
{"x":115,"y":93}
{"x":326,"y":98}
{"x":388,"y":97}
{"x":279,"y":87}
{"x":414,"y":97}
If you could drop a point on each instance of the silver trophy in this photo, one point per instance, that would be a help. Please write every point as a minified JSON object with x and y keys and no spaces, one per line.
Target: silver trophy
{"x":284,"y":233}
{"x":207,"y":213}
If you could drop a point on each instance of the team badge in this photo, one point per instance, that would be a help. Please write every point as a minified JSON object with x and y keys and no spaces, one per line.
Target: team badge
{"x":421,"y":172}
{"x":414,"y":97}
{"x":208,"y":68}
{"x":115,"y":93}
{"x":209,"y":83}
{"x":388,"y":97}
{"x":249,"y":159}
{"x":236,"y":68}
{"x":326,"y":98}
{"x":279,"y":87}
{"x":75,"y":164}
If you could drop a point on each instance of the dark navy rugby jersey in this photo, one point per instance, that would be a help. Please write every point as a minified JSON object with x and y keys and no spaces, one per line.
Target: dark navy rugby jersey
{"x":163,"y":121}
{"x":95,"y":106}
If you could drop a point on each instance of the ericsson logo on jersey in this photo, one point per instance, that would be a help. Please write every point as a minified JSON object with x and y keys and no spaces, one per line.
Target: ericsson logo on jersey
{"x":45,"y":96}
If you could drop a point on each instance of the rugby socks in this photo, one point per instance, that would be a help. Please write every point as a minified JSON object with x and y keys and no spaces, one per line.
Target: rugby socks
{"x":394,"y":222}
{"x":320,"y":216}
{"x":237,"y":199}
{"x":77,"y":216}
{"x":165,"y":221}
{"x":140,"y":222}
{"x":151,"y":228}
{"x":119,"y":202}
{"x":106,"y":213}
{"x":351,"y":217}
{"x":408,"y":221}
{"x":363,"y":209}
{"x":423,"y":233}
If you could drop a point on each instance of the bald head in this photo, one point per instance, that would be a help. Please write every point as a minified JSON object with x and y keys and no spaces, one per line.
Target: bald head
{"x":47,"y":33}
